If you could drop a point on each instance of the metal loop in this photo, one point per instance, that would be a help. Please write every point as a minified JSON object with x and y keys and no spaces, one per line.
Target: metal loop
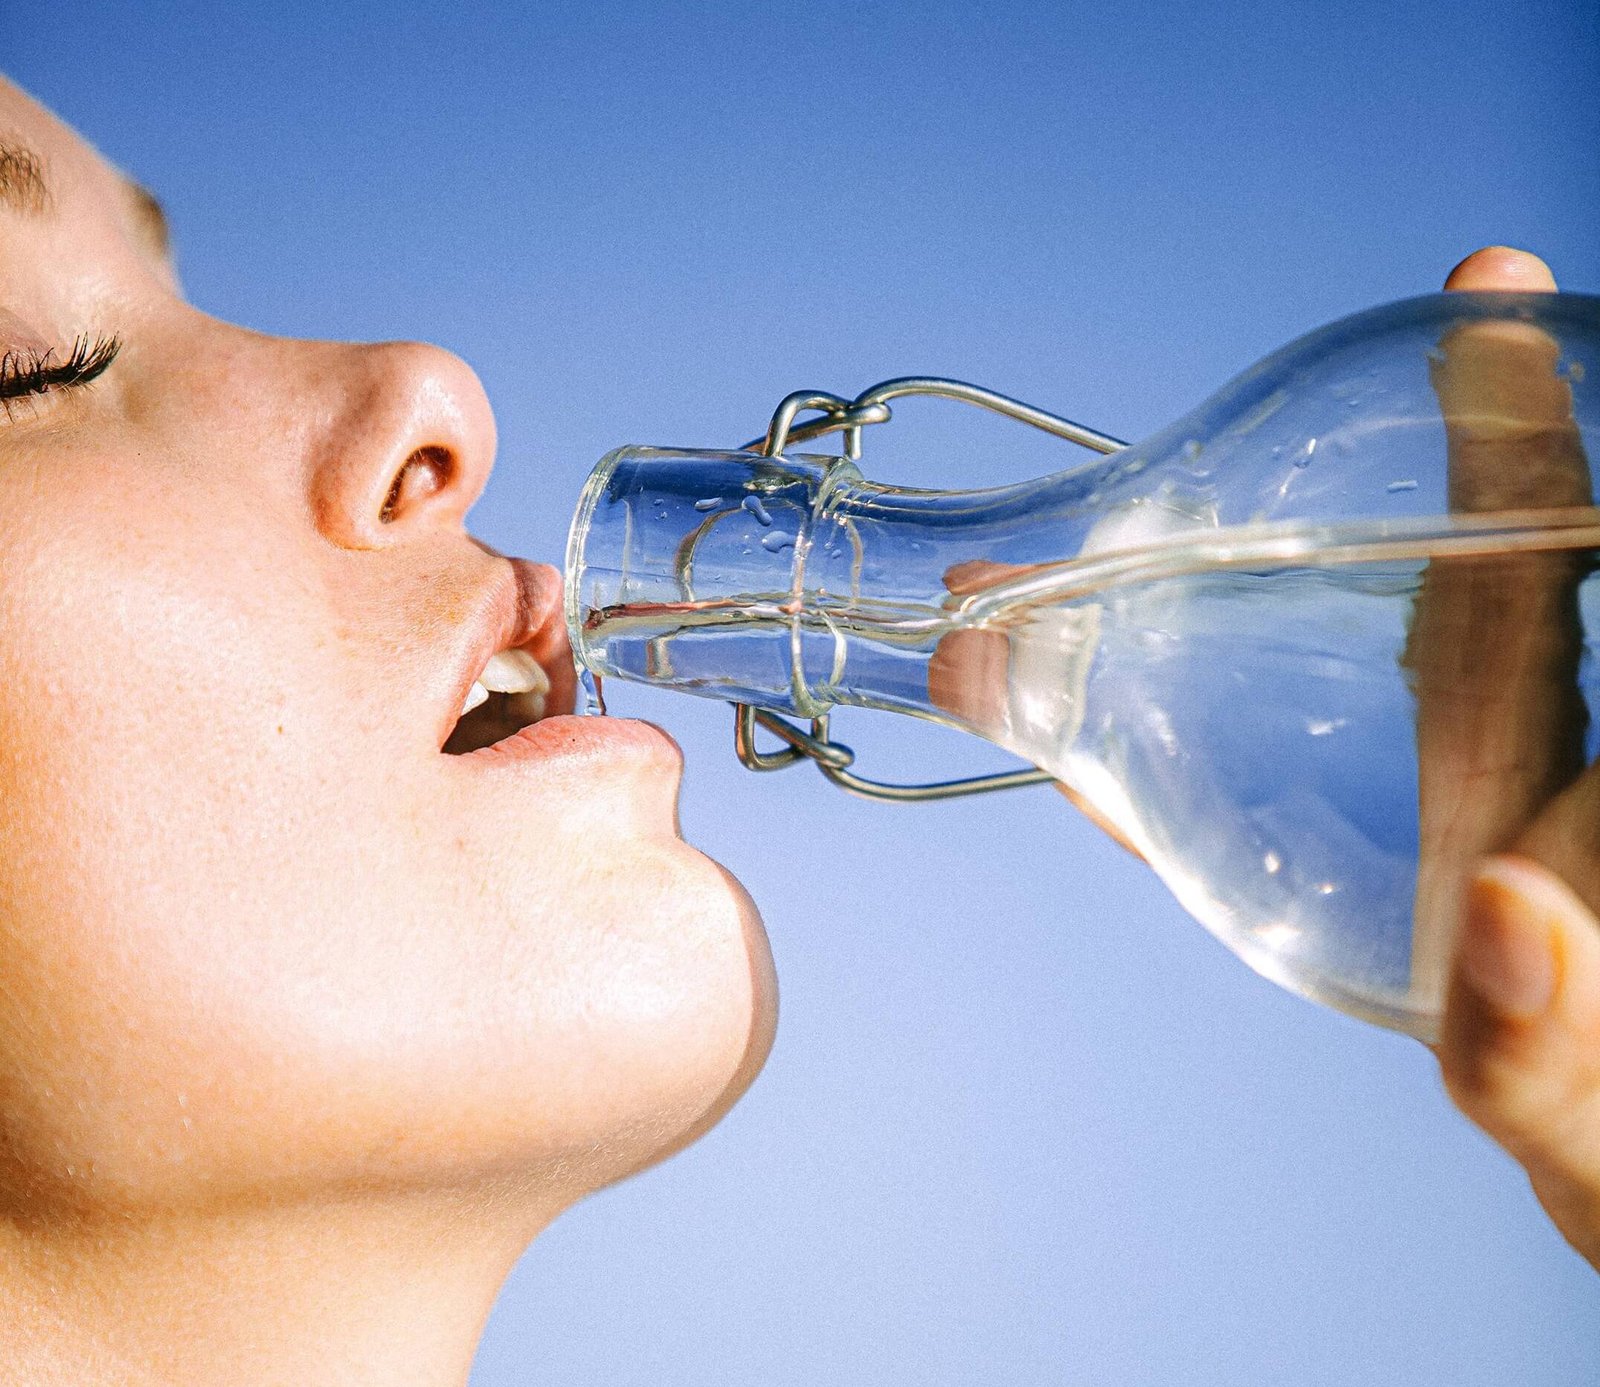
{"x":834,"y":759}
{"x":939,"y":789}
{"x":946,"y":389}
{"x":871,"y":406}
{"x":839,"y":414}
{"x":830,"y":755}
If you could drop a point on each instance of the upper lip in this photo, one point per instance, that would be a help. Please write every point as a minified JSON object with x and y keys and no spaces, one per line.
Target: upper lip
{"x":521,"y":610}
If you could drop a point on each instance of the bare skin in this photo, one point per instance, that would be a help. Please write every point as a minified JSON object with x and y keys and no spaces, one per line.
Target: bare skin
{"x":1509,"y":868}
{"x":1520,"y":1045}
{"x":306,"y":1027}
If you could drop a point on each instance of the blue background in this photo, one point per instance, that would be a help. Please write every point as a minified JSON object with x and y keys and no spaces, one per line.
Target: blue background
{"x":1026,"y":1122}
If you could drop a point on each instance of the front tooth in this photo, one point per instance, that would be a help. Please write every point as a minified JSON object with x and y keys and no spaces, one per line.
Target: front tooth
{"x":514,"y":671}
{"x":475,"y":695}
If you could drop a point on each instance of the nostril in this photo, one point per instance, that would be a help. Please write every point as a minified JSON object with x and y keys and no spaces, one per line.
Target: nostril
{"x":427,"y":471}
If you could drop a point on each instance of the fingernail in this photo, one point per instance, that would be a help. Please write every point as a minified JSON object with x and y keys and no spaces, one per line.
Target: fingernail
{"x":1505,"y":948}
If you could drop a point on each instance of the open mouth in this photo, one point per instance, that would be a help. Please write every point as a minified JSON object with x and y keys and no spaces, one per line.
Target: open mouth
{"x":511,"y":693}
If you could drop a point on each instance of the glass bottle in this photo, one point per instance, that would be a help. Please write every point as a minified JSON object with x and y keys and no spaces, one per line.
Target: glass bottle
{"x":1311,"y":650}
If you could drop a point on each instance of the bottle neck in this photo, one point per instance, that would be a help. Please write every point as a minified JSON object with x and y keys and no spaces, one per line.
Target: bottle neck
{"x":794,"y":584}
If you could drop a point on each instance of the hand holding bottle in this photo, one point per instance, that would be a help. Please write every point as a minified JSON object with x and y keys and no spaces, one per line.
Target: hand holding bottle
{"x":1520,"y":1043}
{"x":1315,"y":649}
{"x":1509,"y":821}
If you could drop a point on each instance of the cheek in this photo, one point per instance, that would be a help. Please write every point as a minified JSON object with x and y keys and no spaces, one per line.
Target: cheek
{"x":149,"y":711}
{"x":148,"y":806}
{"x":194,"y":840}
{"x":230,"y":925}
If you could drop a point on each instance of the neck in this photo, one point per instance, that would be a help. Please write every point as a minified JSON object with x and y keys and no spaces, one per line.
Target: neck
{"x":350,"y":1293}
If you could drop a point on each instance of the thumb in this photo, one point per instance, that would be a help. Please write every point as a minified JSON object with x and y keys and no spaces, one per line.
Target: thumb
{"x":1502,"y":268}
{"x":1520,"y":1043}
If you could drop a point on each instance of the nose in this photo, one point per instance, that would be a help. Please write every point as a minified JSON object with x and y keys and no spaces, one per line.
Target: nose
{"x":407,"y":445}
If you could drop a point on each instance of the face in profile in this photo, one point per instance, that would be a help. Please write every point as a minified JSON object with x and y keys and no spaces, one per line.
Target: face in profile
{"x":274,"y":919}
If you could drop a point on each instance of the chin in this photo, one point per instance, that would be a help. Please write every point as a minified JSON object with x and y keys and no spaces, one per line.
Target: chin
{"x":623,"y":1031}
{"x":716,"y":1042}
{"x":755,"y":1030}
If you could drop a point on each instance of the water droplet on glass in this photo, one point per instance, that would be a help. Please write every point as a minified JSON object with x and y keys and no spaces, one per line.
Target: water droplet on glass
{"x":1407,"y":485}
{"x":778,"y":539}
{"x":1574,"y":372}
{"x":708,"y":503}
{"x":1304,"y":460}
{"x":1192,"y":449}
{"x":752,"y":503}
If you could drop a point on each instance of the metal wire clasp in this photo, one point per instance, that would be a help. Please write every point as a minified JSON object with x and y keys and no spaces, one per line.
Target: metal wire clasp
{"x":839,"y":415}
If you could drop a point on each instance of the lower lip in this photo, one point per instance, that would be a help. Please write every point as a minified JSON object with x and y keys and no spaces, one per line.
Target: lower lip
{"x":567,"y":736}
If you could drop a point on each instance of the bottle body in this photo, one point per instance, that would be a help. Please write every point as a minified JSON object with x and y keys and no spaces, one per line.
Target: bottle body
{"x":1247,"y":641}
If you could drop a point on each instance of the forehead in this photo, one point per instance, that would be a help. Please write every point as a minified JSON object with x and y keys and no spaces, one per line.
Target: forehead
{"x":47,"y":171}
{"x":34,"y":144}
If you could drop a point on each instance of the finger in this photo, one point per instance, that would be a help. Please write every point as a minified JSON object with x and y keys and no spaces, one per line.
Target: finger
{"x":1520,"y":1046}
{"x":1565,"y":837}
{"x":1507,"y":409}
{"x":1494,"y":644}
{"x":969,"y":674}
{"x":979,"y":575}
{"x":1502,"y":268}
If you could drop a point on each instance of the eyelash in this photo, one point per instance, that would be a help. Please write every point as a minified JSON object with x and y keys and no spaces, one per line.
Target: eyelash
{"x":21,"y":375}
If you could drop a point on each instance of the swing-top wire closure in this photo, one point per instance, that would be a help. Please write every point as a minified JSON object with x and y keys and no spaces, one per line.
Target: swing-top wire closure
{"x":837,"y":414}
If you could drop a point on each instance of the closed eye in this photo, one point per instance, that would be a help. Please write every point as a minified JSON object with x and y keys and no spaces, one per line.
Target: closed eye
{"x":22,"y":374}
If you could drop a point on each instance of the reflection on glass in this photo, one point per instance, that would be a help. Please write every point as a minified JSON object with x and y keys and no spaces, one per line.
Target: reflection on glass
{"x":1311,"y":650}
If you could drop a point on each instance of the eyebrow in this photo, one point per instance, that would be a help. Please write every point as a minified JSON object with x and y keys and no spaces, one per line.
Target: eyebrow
{"x":23,"y":189}
{"x":22,"y":185}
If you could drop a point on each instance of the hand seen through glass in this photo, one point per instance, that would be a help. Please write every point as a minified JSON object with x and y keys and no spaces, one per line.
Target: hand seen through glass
{"x":1507,"y":806}
{"x":1508,"y":878}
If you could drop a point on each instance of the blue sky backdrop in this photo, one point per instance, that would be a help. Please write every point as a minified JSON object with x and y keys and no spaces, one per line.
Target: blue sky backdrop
{"x":1026,"y":1123}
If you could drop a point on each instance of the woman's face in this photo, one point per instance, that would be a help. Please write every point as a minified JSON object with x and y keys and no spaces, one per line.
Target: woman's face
{"x":259,"y":931}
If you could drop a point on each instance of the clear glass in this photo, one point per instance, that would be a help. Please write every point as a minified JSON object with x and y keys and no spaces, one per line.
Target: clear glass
{"x":1312,"y":649}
